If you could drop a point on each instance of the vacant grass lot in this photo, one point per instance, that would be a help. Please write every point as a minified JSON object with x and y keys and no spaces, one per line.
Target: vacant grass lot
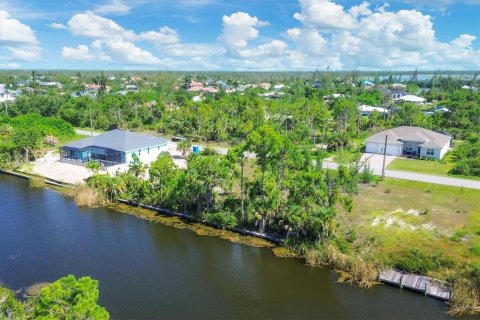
{"x":397,"y":215}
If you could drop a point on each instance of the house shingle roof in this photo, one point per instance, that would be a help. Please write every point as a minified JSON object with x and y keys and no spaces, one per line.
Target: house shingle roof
{"x":119,"y":140}
{"x":427,"y":138}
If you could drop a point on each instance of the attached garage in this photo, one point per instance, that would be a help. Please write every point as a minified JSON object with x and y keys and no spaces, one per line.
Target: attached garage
{"x":411,"y":141}
{"x":393,"y":149}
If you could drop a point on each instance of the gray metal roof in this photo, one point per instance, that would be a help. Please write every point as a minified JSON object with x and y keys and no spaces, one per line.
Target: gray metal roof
{"x":428,"y":138}
{"x":119,"y":140}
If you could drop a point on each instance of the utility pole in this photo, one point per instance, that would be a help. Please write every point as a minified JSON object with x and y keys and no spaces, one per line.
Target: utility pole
{"x":91,"y":125}
{"x":384,"y":157}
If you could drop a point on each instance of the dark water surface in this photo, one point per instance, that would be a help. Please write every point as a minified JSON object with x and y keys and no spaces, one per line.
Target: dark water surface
{"x":149,"y":270}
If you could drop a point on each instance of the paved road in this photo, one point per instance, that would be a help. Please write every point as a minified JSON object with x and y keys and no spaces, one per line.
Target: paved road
{"x":87,"y":132}
{"x":376,"y":161}
{"x":448,"y":181}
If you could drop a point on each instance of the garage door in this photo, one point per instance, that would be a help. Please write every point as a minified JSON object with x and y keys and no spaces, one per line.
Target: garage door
{"x":392,"y":150}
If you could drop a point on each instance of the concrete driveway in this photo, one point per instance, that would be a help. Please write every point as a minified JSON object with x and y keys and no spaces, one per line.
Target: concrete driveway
{"x":49,"y":166}
{"x":375,"y":161}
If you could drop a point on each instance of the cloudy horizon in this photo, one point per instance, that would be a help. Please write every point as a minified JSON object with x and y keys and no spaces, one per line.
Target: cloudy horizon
{"x":251,"y":35}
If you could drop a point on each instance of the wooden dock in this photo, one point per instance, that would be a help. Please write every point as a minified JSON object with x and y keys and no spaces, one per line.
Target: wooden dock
{"x":428,"y":286}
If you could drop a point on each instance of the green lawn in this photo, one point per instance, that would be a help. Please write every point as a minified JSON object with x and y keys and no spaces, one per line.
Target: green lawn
{"x":422,"y":166}
{"x":425,"y":166}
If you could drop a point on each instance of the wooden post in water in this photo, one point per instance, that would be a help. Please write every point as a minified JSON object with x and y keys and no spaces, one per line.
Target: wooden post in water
{"x":384,"y":157}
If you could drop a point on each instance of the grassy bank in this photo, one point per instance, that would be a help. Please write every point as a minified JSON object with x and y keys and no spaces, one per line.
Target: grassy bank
{"x":421,"y":228}
{"x":198,"y":228}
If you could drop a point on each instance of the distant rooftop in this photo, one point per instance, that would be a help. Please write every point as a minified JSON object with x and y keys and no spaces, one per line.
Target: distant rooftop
{"x":119,"y":140}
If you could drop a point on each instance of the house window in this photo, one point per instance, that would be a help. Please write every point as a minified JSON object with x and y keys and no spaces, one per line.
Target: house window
{"x":139,"y":152}
{"x":430,"y":152}
{"x":408,"y":147}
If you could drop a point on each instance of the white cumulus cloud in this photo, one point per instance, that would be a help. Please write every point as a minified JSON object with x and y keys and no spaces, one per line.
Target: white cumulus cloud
{"x":238,"y":29}
{"x":89,"y":24}
{"x":325,"y":14}
{"x":18,"y":38}
{"x":362,"y":38}
{"x":56,"y":25}
{"x":82,"y":52}
{"x":164,"y":35}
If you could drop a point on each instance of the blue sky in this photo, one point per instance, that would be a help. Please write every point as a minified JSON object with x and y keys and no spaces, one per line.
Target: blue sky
{"x":240,"y":34}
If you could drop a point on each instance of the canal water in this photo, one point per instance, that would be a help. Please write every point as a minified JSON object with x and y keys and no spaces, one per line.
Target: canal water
{"x":149,"y":270}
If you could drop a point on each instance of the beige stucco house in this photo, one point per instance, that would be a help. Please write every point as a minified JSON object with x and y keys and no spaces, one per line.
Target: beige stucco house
{"x":414,"y":141}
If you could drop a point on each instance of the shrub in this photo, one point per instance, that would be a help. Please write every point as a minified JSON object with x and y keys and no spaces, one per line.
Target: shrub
{"x":475,"y":249}
{"x":458,"y":235}
{"x":37,"y":182}
{"x":366,"y":176}
{"x":475,"y":273}
{"x":351,"y":236}
{"x":50,"y":140}
{"x":224,"y":219}
{"x":85,"y":196}
{"x":342,"y":245}
{"x":416,"y":261}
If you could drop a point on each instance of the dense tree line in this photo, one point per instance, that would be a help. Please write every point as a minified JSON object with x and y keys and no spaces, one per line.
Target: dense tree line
{"x":288,"y":193}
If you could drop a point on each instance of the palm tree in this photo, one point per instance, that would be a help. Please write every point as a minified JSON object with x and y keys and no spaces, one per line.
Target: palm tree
{"x":184,"y":146}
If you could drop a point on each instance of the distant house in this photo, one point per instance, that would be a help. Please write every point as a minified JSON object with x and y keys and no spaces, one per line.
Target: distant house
{"x":398,"y":93}
{"x":399,"y":86}
{"x":50,"y":84}
{"x":210,"y":90}
{"x":272,"y":95}
{"x":195,"y":86}
{"x":5,"y":95}
{"x":414,"y":141}
{"x":334,"y":96}
{"x":131,"y":88}
{"x":113,"y":148}
{"x":465,"y":87}
{"x":437,"y":109}
{"x":92,"y":87}
{"x":368,"y":110}
{"x":265,"y":85}
{"x":368,"y":84}
{"x":385,"y":91}
{"x":412,"y":99}
{"x":78,"y":94}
